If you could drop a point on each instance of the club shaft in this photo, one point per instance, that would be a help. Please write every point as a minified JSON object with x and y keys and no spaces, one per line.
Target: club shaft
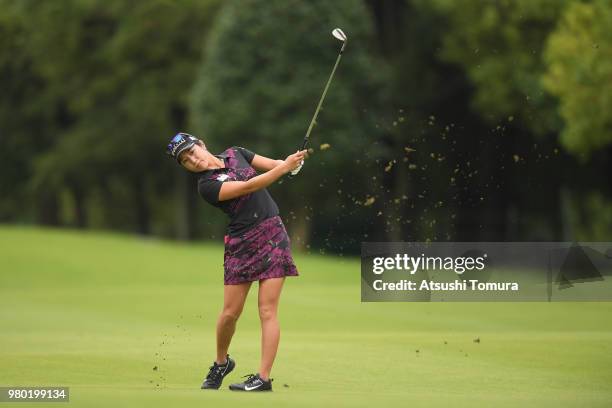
{"x":314,"y":118}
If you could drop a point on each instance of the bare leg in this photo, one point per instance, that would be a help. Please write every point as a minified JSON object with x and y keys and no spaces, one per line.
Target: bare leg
{"x":269,"y":295}
{"x":233,"y":302}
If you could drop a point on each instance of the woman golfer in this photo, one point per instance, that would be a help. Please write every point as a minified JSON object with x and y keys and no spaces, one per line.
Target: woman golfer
{"x":256,"y":245}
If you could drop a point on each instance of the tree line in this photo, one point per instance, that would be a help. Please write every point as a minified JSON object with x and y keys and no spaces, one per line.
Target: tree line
{"x":446,"y":120}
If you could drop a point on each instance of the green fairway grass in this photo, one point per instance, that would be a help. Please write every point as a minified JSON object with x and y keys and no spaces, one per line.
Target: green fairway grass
{"x":97,"y":312}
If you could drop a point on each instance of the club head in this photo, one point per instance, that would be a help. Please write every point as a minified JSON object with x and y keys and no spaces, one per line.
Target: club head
{"x":339,"y":34}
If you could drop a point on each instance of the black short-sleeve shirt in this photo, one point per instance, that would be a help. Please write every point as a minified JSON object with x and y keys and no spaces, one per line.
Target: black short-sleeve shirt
{"x":245,"y":211}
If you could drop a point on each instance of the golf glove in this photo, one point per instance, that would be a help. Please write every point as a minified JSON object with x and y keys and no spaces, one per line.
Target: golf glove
{"x":297,"y":169}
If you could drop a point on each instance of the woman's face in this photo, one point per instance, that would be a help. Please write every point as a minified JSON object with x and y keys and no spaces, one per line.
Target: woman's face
{"x":194,"y":159}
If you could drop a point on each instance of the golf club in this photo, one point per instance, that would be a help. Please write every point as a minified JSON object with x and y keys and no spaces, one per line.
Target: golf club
{"x":339,"y":34}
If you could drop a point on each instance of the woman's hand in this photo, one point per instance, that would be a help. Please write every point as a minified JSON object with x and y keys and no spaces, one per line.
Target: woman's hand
{"x":294,"y":161}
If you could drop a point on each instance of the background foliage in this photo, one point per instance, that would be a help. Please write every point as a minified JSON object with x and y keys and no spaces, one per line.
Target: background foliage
{"x":446,"y":120}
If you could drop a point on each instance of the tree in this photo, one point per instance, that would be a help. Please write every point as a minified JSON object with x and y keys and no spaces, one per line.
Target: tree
{"x":500,"y":45}
{"x":265,"y":66}
{"x":579,"y":72}
{"x":114,"y":79}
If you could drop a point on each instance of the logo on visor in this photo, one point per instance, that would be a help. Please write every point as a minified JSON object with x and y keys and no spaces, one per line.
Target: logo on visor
{"x":178,"y":141}
{"x":175,"y":148}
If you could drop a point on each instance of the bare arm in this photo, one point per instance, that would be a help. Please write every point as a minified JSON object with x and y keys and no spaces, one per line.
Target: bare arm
{"x":262,"y":163}
{"x":233,"y":189}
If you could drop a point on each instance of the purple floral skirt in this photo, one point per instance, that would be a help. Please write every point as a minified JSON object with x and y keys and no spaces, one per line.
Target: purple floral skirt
{"x":262,"y":252}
